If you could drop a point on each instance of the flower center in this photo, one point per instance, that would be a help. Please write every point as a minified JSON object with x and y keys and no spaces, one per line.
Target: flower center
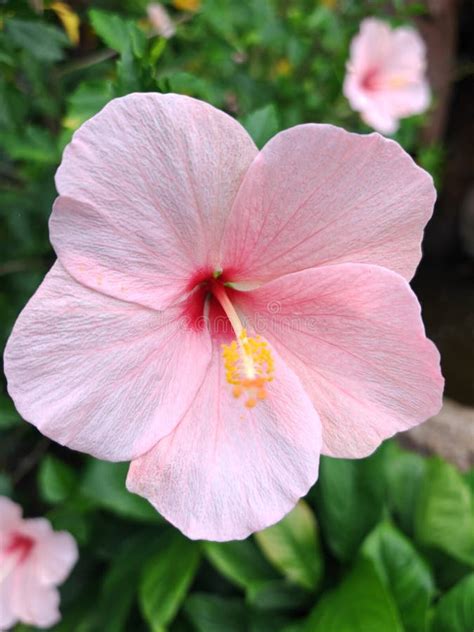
{"x":19,"y":545}
{"x":16,"y":551}
{"x":370,"y":80}
{"x":248,"y":362}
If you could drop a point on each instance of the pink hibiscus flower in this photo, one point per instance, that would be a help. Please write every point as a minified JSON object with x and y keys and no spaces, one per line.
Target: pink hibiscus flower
{"x":221,"y":315}
{"x":385,"y":78}
{"x":34,"y":559}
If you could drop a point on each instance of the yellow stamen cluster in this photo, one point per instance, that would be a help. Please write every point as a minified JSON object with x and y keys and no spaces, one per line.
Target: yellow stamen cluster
{"x":248,"y":364}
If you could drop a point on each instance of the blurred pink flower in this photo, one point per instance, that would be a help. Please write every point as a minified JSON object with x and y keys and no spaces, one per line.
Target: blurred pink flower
{"x":34,"y":559}
{"x":176,"y":236}
{"x":385,"y":78}
{"x":160,"y":20}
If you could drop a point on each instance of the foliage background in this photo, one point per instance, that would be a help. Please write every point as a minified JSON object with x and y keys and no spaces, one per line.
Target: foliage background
{"x":385,"y":544}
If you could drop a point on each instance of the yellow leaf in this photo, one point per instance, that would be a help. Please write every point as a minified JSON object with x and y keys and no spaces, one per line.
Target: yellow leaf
{"x":69,"y":19}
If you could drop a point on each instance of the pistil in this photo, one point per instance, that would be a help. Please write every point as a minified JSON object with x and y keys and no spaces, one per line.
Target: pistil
{"x":248,"y":361}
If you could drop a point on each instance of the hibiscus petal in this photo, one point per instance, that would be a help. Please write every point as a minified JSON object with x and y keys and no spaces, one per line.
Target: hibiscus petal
{"x":54,"y":554}
{"x":10,"y":514}
{"x":32,"y":602}
{"x":354,"y":336}
{"x":100,"y":375}
{"x":227,"y":471}
{"x":147,"y":185}
{"x":370,"y":47}
{"x":407,"y":54}
{"x":318,"y":195}
{"x":7,"y":616}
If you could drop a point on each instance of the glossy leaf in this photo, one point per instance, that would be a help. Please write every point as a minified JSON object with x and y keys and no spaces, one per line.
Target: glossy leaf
{"x":292,"y":546}
{"x":445,"y":512}
{"x":210,"y":613}
{"x":240,"y":562}
{"x":360,"y":604}
{"x":104,"y":484}
{"x":56,"y":480}
{"x":350,"y":500}
{"x":166,"y":580}
{"x":404,"y":473}
{"x":405,"y":573}
{"x":455,"y":610}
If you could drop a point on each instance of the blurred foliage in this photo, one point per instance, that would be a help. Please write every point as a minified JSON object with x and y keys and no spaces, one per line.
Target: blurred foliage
{"x":383,"y":544}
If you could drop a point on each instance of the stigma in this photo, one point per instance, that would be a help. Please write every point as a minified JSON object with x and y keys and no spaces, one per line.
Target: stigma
{"x":249,"y":366}
{"x":248,"y":361}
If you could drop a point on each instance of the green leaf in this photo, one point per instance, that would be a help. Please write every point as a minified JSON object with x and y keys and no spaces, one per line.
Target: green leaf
{"x":118,"y":33}
{"x":186,"y":83}
{"x":166,"y":580}
{"x":350,"y":500}
{"x":455,"y":610}
{"x":292,"y":546}
{"x":104,"y":484}
{"x":56,"y":480}
{"x":33,"y":145}
{"x":88,"y":98}
{"x":262,"y":124}
{"x":404,"y":572}
{"x":360,"y":604}
{"x":404,"y":472}
{"x":210,"y":613}
{"x":44,"y":41}
{"x":240,"y":562}
{"x":278,"y":594}
{"x":121,"y":581}
{"x":445,"y":512}
{"x":70,"y":518}
{"x":469,"y":478}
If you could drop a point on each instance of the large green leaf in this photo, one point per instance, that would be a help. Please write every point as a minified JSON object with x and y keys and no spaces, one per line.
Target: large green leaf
{"x":455,"y":610}
{"x":240,"y":561}
{"x":445,"y":512}
{"x":292,"y":546}
{"x":104,"y":484}
{"x":350,"y":500}
{"x":404,"y":473}
{"x":405,"y":573}
{"x":360,"y":604}
{"x":56,"y":480}
{"x":166,"y":580}
{"x":118,"y":33}
{"x":210,"y":613}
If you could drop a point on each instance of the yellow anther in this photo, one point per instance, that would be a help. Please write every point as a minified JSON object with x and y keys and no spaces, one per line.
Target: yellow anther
{"x":249,"y":366}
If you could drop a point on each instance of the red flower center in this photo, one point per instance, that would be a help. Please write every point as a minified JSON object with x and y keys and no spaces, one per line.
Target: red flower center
{"x":370,"y":80}
{"x":19,"y":545}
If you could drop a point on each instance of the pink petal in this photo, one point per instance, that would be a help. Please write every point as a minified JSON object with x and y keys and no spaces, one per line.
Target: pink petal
{"x":353,"y":334}
{"x":100,"y":375}
{"x":371,"y":46}
{"x":408,"y":53}
{"x":10,"y":516}
{"x":317,"y":195}
{"x":7,"y":616}
{"x":226,"y":471}
{"x":54,"y":557}
{"x":32,"y":602}
{"x":148,"y":183}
